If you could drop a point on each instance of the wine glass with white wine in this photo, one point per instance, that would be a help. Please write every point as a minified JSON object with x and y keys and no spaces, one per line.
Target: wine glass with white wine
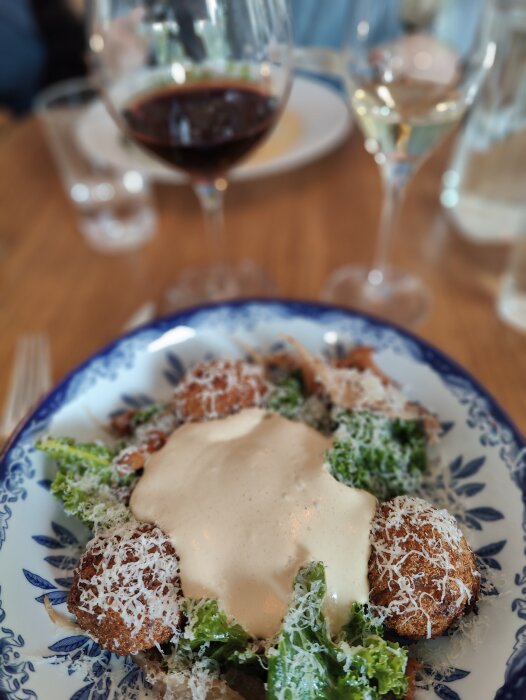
{"x":413,"y":68}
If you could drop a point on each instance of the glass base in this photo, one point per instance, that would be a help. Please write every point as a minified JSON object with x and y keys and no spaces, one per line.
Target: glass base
{"x":110,"y":232}
{"x":398,"y":297}
{"x":218,"y":283}
{"x":511,"y":304}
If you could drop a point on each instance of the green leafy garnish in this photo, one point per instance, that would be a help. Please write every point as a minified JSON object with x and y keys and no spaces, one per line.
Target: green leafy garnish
{"x":79,"y":456}
{"x":210,"y":643}
{"x":208,"y":625}
{"x":287,"y":398}
{"x":86,"y":481}
{"x":299,"y":665}
{"x":382,"y":455}
{"x":143,"y":415}
{"x":373,"y":661}
{"x":307,"y":665}
{"x":360,"y":625}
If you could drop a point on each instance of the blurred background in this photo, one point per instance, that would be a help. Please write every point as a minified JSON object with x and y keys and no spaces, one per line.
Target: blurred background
{"x":462,"y":229}
{"x":40,"y":43}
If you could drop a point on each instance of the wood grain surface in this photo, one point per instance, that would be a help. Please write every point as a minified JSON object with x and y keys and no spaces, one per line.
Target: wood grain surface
{"x":300,"y":225}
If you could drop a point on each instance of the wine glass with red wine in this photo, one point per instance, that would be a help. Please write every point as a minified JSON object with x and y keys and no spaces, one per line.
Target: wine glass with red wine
{"x":198,"y":84}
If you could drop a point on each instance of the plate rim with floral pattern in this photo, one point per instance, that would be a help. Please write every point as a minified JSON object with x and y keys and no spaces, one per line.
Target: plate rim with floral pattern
{"x":95,"y":673}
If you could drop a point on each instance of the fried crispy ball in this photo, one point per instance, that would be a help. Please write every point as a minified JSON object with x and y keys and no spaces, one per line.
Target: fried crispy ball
{"x":126,"y":587}
{"x":213,"y":389}
{"x":217,"y":389}
{"x":422,"y":572}
{"x":134,"y":457}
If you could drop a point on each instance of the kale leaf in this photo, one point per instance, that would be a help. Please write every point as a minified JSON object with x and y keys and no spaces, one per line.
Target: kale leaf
{"x":306,"y":664}
{"x":79,"y":456}
{"x":208,"y":625}
{"x":143,"y":415}
{"x":289,"y":400}
{"x":86,"y":481}
{"x":361,"y":624}
{"x":374,"y":666}
{"x":287,"y":397}
{"x":299,"y":665}
{"x":211,"y":643}
{"x":382,"y":455}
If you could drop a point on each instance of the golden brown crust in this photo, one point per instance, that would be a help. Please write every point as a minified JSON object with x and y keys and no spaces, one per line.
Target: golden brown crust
{"x":422,"y":572}
{"x":217,"y":389}
{"x":103,"y":622}
{"x":133,"y":459}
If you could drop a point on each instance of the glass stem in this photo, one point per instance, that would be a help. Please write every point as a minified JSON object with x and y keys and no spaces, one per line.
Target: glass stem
{"x":395,"y":176}
{"x":211,"y":196}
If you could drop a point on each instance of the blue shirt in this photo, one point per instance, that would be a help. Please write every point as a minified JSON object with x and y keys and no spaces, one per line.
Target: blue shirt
{"x":330,"y":22}
{"x":22,"y":55}
{"x":320,"y":22}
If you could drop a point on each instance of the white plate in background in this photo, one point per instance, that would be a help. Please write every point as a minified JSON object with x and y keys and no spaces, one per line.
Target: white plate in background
{"x":315,"y":121}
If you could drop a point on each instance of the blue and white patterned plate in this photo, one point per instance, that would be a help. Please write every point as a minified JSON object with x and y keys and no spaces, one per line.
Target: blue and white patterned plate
{"x":483,"y":461}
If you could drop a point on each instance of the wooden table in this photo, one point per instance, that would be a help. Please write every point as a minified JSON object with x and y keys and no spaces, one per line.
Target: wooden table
{"x":300,"y":225}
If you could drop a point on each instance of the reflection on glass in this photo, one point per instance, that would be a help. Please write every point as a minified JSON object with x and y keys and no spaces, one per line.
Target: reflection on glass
{"x":412,"y":72}
{"x":199,"y":84}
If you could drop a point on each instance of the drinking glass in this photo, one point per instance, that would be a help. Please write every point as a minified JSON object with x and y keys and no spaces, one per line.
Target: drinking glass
{"x":511,"y":301}
{"x":484,"y":187}
{"x":412,"y":70}
{"x":114,"y":206}
{"x":198,"y":84}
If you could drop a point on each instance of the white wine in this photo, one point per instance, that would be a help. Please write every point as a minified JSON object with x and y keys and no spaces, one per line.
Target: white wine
{"x":406,"y":119}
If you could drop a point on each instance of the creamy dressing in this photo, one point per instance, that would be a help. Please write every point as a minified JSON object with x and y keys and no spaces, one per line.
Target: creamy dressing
{"x":246,"y":502}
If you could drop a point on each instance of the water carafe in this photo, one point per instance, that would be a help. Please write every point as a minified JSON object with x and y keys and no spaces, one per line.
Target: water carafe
{"x":485,"y":186}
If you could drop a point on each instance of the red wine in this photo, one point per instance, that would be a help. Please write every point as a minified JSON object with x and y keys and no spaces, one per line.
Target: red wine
{"x":202,"y":128}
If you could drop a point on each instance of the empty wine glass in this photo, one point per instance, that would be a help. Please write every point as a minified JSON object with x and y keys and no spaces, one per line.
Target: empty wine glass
{"x":413,"y":67}
{"x":198,"y":84}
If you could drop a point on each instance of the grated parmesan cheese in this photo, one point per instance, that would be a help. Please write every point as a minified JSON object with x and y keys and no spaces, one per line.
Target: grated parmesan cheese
{"x":219,"y":388}
{"x":362,"y":389}
{"x":127,"y":586}
{"x":422,"y":573}
{"x":128,"y":559}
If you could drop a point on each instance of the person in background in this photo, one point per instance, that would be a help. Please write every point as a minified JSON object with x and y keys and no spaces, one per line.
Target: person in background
{"x":326,"y":22}
{"x":61,"y":25}
{"x":22,"y":56}
{"x":320,"y":22}
{"x":41,"y":42}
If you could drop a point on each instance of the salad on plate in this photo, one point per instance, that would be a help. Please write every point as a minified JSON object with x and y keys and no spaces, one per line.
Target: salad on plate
{"x":268,"y":533}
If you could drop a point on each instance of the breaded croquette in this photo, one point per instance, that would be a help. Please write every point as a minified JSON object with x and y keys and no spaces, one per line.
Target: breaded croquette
{"x":126,"y":588}
{"x":422,"y":572}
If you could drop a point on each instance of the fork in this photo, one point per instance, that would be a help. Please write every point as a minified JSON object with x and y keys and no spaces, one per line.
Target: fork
{"x":30,"y":379}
